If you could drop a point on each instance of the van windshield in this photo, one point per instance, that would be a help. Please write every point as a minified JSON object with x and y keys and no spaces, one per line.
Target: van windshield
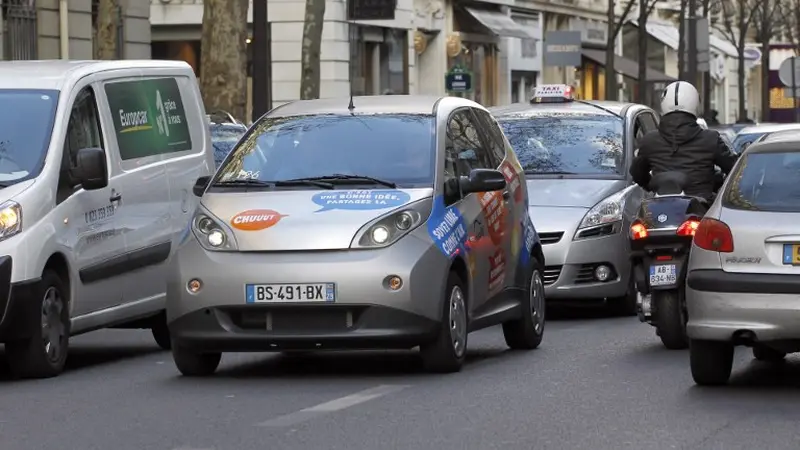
{"x":26,"y":123}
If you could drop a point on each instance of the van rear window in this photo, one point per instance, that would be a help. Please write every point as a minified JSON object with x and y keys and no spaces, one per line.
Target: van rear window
{"x":149,"y":118}
{"x":765,"y":182}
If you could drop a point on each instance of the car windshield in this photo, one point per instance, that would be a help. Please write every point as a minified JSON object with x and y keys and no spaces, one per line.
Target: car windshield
{"x":580,"y":144}
{"x":743,"y":141}
{"x":26,"y":123}
{"x":766,"y":182}
{"x":398,"y":148}
{"x":223,"y":138}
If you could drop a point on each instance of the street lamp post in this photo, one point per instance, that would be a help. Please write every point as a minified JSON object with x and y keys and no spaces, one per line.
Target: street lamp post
{"x":262,"y":60}
{"x":691,"y":48}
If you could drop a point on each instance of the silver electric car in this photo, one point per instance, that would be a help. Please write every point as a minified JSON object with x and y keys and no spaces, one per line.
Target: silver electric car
{"x":576,"y":156}
{"x":372,"y":222}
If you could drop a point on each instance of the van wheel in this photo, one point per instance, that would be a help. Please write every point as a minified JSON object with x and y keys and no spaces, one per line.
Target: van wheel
{"x":763,"y":353}
{"x":711,"y":362}
{"x":526,"y":333}
{"x":44,"y":354}
{"x":447,"y":353}
{"x":193,"y":364}
{"x":160,"y":331}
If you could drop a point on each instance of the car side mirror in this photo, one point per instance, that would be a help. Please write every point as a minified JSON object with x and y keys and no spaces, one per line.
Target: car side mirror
{"x":92,"y":170}
{"x":200,"y":186}
{"x":483,"y":180}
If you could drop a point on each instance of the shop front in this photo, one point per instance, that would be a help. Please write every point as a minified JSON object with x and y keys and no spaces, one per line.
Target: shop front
{"x":525,"y":56}
{"x":592,"y":74}
{"x":379,"y":61}
{"x":474,"y":68}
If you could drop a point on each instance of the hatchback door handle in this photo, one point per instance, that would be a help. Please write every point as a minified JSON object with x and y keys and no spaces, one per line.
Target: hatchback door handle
{"x":115,"y":197}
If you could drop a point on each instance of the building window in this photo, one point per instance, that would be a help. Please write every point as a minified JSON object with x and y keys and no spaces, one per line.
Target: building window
{"x":527,"y":46}
{"x":20,"y":36}
{"x":481,"y":60}
{"x":379,"y":61}
{"x":188,"y":51}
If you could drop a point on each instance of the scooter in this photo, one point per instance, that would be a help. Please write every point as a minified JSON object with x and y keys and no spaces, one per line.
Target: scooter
{"x":661,"y":239}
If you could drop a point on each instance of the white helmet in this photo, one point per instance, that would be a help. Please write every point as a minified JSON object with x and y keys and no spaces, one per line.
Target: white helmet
{"x":680,"y":96}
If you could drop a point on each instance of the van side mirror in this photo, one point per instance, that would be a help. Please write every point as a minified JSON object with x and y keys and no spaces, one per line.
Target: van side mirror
{"x":482,"y":180}
{"x":200,"y":186}
{"x":92,"y":170}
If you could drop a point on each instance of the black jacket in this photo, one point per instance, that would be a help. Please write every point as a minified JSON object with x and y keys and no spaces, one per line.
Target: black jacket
{"x":681,"y":145}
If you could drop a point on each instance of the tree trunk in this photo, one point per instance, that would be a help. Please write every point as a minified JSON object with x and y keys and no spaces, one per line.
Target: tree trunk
{"x":108,"y":15}
{"x":682,"y":40}
{"x":611,"y":73}
{"x":223,"y":56}
{"x":707,"y":73}
{"x":740,"y":75}
{"x":641,"y":92}
{"x":312,"y":41}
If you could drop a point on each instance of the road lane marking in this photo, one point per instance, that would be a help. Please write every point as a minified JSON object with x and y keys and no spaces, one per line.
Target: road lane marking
{"x":333,"y":406}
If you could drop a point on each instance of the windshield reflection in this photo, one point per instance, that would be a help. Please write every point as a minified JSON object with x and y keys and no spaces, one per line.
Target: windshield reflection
{"x":393,"y":147}
{"x":26,"y":123}
{"x":585,"y":144}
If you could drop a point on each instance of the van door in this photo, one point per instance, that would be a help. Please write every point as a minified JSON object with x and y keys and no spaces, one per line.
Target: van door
{"x":92,"y":230}
{"x":144,"y":130}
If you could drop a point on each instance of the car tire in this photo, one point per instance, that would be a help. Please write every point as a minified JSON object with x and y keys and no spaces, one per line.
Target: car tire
{"x":670,"y":319}
{"x":768,"y":354}
{"x":194,"y":364}
{"x":711,"y":362}
{"x":624,"y":306}
{"x":36,"y":356}
{"x":160,"y":331}
{"x":446,"y":354}
{"x":526,"y":333}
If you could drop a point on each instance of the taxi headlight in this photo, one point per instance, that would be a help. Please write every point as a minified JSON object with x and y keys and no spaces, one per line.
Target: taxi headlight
{"x":211,"y":234}
{"x":607,"y":211}
{"x":10,"y":219}
{"x":388,"y":229}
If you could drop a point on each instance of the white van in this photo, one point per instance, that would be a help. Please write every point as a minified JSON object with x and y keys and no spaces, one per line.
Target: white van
{"x":97,"y":163}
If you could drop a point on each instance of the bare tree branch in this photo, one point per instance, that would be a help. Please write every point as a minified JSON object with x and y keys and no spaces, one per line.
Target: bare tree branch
{"x":624,"y":18}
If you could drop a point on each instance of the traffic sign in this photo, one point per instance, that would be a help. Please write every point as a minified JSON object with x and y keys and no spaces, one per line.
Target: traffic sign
{"x":789,"y":74}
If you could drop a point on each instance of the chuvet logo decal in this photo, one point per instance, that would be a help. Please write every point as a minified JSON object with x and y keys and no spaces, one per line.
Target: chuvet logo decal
{"x":256,"y":219}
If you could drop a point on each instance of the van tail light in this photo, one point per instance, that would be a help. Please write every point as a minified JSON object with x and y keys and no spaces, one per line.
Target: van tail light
{"x":688,"y":228}
{"x":714,"y":235}
{"x":638,"y":231}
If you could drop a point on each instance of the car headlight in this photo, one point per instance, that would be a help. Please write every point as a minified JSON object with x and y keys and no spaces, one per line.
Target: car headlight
{"x":211,"y":234}
{"x":386,"y":230}
{"x":10,"y":219}
{"x":607,"y":211}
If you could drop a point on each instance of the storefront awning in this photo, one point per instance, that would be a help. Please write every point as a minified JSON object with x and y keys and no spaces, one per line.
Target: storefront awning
{"x":500,"y":24}
{"x":625,"y":66}
{"x":669,"y":35}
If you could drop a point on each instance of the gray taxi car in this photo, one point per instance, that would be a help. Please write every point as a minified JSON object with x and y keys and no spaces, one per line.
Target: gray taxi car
{"x":576,"y":156}
{"x":372,"y":222}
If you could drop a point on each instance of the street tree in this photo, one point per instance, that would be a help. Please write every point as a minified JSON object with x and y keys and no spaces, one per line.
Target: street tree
{"x":310,"y":53}
{"x":735,"y":24}
{"x":766,"y":22}
{"x":223,"y":56}
{"x":615,"y":25}
{"x":646,"y":8}
{"x":106,"y":29}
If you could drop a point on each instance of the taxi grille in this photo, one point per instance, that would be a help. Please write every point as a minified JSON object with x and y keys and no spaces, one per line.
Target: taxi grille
{"x":550,"y":238}
{"x":551,"y":274}
{"x":585,"y":274}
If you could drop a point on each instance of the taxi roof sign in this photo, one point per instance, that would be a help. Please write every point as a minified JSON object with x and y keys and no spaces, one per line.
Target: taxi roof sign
{"x":552,"y":93}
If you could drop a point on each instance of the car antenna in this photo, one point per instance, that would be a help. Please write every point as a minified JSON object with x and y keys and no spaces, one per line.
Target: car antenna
{"x":351,"y":107}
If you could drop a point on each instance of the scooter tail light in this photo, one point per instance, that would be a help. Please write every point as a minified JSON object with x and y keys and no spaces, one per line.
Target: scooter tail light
{"x":688,"y":228}
{"x":714,"y":235}
{"x":638,"y":231}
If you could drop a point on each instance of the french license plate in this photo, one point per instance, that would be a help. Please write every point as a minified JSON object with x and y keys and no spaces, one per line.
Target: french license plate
{"x":290,"y":292}
{"x":663,"y":275}
{"x":791,"y":254}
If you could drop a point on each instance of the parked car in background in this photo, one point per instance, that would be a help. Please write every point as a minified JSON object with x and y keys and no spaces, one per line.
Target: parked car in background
{"x":225,"y":133}
{"x":576,"y":155}
{"x":750,"y":134}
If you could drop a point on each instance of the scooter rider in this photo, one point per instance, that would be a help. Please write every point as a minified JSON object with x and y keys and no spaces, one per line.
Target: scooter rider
{"x":681,"y":145}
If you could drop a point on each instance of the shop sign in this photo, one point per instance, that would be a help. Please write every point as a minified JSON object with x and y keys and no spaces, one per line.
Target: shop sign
{"x":371,"y":9}
{"x":458,"y":79}
{"x":562,"y":48}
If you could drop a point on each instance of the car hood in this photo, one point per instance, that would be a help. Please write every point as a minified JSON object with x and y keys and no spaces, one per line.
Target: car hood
{"x":303,"y":220}
{"x":570,"y":192}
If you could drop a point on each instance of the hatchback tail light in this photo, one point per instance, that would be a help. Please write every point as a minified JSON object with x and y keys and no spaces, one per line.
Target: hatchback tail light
{"x":714,"y":235}
{"x":688,"y":228}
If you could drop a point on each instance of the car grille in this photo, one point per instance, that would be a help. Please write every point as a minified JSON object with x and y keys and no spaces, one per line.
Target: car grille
{"x":550,"y":238}
{"x":551,"y":274}
{"x":296,"y":320}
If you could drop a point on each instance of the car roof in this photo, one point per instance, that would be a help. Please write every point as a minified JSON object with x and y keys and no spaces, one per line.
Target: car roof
{"x":782,"y":135}
{"x":372,"y":104}
{"x":574,"y":107}
{"x":55,"y":74}
{"x":769,"y":128}
{"x":781,"y":145}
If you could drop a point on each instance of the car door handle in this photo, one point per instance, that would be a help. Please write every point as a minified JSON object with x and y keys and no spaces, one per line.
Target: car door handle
{"x":115,"y":197}
{"x":506,"y":195}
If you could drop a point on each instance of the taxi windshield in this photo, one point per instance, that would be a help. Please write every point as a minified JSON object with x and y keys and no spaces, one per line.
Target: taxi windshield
{"x":576,"y":144}
{"x":398,"y":148}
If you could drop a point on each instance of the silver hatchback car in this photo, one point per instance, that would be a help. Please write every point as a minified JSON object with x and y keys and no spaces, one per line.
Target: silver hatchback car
{"x":396,"y":222}
{"x":743,"y":284}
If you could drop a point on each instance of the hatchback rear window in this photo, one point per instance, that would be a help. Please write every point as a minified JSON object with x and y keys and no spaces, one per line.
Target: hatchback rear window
{"x":765,"y":182}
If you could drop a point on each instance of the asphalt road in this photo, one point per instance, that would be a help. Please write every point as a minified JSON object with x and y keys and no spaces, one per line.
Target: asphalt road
{"x":596,"y":383}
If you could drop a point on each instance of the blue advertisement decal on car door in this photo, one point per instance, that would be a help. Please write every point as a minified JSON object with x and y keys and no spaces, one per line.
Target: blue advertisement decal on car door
{"x":529,"y":238}
{"x":447,"y":228}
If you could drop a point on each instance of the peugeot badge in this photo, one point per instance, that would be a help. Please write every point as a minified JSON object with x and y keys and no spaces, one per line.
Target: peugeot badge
{"x":662,"y":218}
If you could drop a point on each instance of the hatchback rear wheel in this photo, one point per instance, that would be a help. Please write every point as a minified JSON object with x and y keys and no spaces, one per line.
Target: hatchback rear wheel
{"x":711,"y":362}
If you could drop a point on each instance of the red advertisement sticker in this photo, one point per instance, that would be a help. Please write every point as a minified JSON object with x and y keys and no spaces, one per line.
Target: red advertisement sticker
{"x":256,"y":219}
{"x":497,"y":270}
{"x":513,"y":180}
{"x":494,"y":210}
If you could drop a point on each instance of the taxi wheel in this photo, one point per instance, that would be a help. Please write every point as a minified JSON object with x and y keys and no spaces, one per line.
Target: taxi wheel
{"x":44,"y":354}
{"x":193,"y":364}
{"x":711,"y":362}
{"x":768,"y":354}
{"x":160,"y":331}
{"x":526,"y":333}
{"x":447,"y":353}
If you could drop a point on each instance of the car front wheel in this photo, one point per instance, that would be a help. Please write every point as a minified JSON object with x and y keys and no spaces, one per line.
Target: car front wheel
{"x":447,"y":353}
{"x":526,"y":333}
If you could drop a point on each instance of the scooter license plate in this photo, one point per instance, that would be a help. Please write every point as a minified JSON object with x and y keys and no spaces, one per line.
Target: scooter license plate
{"x":663,"y":275}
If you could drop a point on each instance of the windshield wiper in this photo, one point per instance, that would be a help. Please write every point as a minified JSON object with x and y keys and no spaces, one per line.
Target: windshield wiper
{"x":347,"y":179}
{"x":304,"y":182}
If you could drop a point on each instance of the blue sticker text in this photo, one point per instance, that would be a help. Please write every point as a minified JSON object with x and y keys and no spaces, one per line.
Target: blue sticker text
{"x":362,"y":200}
{"x":528,"y":240}
{"x":447,"y":228}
